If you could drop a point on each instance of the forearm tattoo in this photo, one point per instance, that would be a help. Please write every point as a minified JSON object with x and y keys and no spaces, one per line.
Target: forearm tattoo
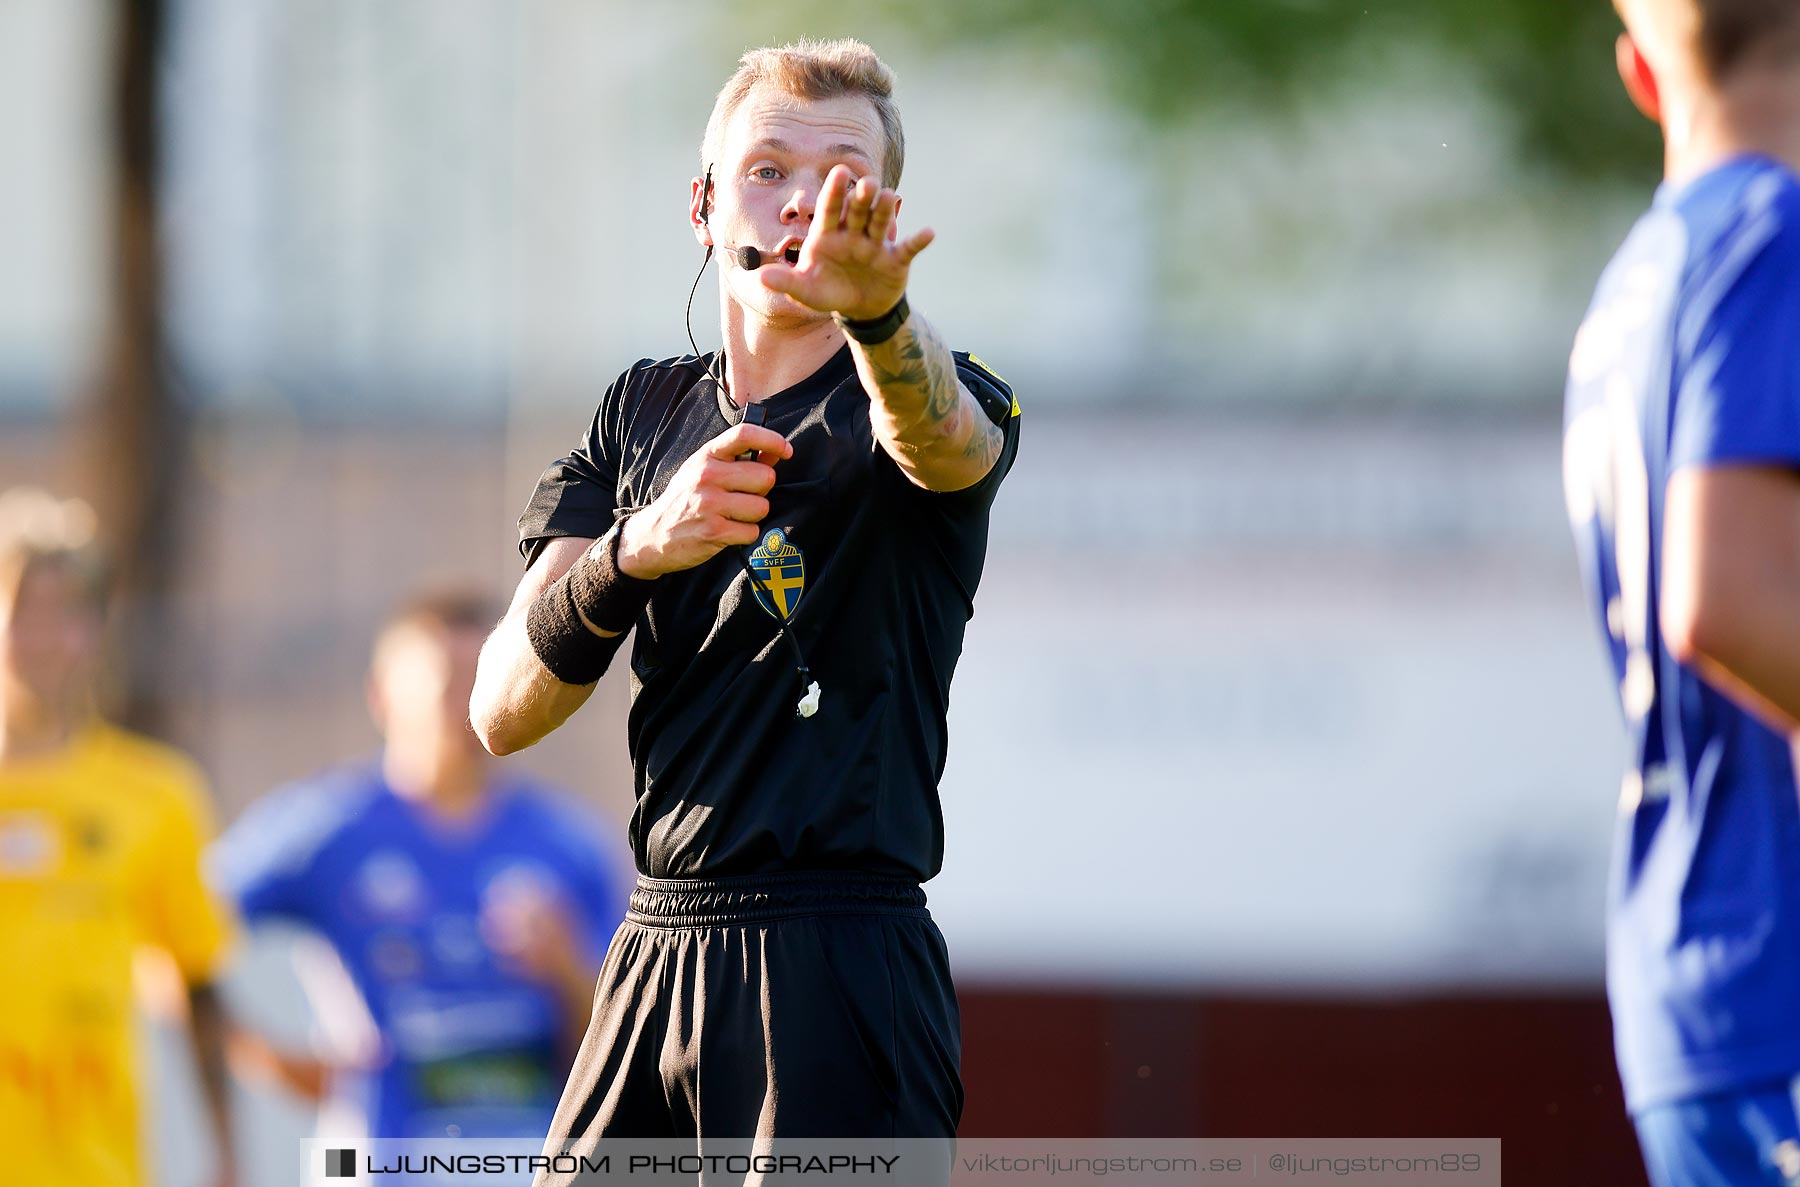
{"x":917,"y":378}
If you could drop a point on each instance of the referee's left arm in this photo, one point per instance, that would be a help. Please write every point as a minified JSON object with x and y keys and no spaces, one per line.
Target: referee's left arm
{"x":928,"y":422}
{"x":854,"y":265}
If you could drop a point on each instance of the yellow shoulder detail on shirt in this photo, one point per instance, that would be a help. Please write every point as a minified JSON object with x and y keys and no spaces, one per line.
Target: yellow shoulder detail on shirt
{"x":995,"y":375}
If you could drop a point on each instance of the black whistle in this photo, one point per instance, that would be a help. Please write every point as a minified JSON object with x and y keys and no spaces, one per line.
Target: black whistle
{"x":753,"y":415}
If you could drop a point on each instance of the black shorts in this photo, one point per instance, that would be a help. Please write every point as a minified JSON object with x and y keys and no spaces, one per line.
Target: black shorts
{"x":781,"y":1006}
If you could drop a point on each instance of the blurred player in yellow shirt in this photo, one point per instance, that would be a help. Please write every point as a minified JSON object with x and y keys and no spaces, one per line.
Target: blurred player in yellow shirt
{"x":100,"y":840}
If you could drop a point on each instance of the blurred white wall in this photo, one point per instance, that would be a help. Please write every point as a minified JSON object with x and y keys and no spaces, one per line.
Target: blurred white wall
{"x":1303,"y":706}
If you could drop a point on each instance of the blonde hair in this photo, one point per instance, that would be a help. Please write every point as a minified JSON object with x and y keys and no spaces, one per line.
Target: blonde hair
{"x":37,"y":528}
{"x":809,"y":69}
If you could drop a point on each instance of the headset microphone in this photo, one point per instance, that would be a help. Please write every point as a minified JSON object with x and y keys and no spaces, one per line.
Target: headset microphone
{"x":751,"y":258}
{"x":747,"y":258}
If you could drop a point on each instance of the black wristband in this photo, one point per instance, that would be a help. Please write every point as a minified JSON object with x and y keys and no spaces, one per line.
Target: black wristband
{"x":593,"y":588}
{"x":602,"y":592}
{"x":875,"y":330}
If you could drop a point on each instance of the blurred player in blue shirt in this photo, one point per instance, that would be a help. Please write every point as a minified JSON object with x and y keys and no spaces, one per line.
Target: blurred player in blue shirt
{"x":470,"y":911}
{"x":1682,"y":469}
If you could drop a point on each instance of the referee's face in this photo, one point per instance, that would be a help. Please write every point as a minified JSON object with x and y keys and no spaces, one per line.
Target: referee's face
{"x":773,"y":159}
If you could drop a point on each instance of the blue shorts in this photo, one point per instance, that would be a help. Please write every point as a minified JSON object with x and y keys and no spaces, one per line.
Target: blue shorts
{"x":1732,"y":1139}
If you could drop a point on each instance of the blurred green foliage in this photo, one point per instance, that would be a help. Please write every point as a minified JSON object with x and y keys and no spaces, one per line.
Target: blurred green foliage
{"x":1547,"y":62}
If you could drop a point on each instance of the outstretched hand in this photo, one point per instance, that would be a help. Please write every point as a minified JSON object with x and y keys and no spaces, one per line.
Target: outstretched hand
{"x":852,"y":261}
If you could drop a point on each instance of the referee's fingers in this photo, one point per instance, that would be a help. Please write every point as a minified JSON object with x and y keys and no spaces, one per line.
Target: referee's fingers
{"x":743,"y":507}
{"x":741,"y":438}
{"x":860,"y":207}
{"x":834,"y":198}
{"x":920,"y":240}
{"x":881,"y":219}
{"x":755,"y":477}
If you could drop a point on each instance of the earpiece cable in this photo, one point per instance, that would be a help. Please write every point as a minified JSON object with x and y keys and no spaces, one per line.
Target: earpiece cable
{"x":809,"y":704}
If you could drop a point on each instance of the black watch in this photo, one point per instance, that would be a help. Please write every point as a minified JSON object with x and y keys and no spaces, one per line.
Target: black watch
{"x":875,"y":330}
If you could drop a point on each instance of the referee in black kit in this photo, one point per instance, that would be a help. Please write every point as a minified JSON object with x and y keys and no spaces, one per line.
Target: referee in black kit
{"x":795,"y":528}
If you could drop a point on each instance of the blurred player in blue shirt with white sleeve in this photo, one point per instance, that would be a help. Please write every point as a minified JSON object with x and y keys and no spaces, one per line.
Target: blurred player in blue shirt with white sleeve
{"x":470,"y":910}
{"x":1682,"y":470}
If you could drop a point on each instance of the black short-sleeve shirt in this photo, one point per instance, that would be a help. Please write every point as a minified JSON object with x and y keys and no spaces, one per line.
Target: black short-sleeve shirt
{"x":878,"y":577}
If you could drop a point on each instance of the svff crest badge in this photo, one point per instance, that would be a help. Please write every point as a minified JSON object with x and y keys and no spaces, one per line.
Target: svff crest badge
{"x":780,"y":570}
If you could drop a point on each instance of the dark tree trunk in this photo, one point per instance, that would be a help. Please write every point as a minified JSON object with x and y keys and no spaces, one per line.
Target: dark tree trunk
{"x":131,"y":433}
